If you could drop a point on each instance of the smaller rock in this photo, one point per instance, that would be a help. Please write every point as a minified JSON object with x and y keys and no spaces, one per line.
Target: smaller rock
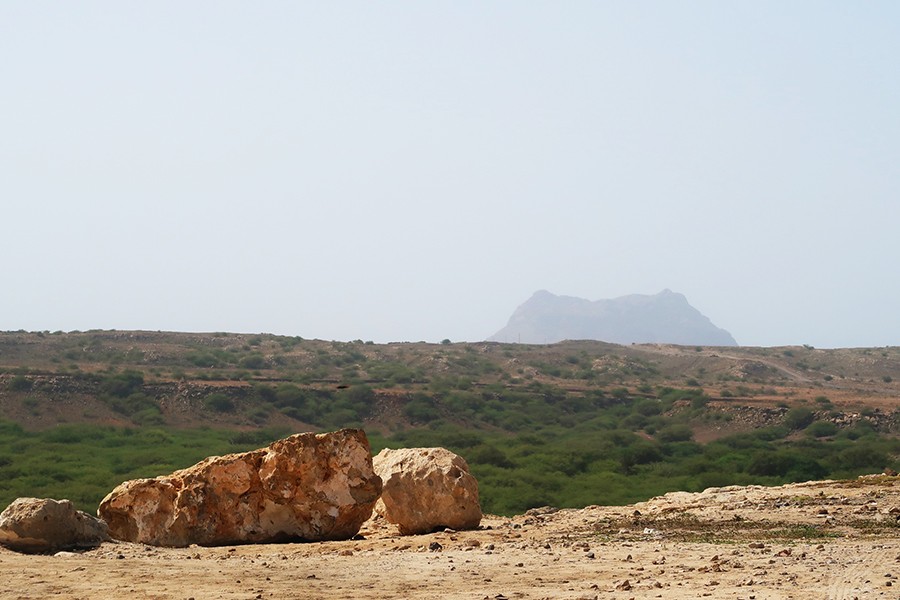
{"x":426,"y":490}
{"x":541,"y":510}
{"x":35,"y":525}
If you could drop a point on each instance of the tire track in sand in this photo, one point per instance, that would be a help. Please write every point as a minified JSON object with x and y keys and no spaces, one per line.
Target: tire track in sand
{"x":864,"y":577}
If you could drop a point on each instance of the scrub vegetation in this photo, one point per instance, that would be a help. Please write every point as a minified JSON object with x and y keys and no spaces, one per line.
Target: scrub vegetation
{"x":569,"y":424}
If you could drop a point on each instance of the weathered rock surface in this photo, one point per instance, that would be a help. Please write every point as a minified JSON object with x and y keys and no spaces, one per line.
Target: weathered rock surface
{"x":46,"y":525}
{"x":427,"y":489}
{"x":307,"y":487}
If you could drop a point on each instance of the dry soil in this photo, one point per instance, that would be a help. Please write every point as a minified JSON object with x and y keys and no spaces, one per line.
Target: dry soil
{"x":817,"y":540}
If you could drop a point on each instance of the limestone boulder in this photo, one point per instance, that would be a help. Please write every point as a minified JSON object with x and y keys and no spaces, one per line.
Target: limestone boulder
{"x":307,"y":487}
{"x":425,"y":489}
{"x":36,"y":525}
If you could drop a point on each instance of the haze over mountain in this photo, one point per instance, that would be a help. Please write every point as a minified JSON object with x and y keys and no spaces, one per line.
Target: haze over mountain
{"x":662,"y":318}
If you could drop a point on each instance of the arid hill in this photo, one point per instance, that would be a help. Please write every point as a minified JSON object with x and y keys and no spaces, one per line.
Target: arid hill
{"x":63,"y":372}
{"x":568,"y":424}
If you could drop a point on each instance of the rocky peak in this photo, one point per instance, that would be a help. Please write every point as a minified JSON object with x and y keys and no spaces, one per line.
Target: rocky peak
{"x":666,"y":317}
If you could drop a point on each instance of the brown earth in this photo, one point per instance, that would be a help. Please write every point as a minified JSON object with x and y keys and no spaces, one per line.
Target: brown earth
{"x":817,"y":540}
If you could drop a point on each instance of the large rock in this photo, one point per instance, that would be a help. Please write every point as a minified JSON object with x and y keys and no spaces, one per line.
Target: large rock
{"x":47,"y":525}
{"x":306,"y":487}
{"x":426,"y":489}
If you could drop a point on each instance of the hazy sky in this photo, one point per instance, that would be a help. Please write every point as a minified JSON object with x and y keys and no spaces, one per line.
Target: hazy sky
{"x":416,"y":170}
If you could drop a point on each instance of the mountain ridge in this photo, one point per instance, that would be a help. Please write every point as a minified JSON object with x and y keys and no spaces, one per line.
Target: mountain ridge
{"x":666,"y":317}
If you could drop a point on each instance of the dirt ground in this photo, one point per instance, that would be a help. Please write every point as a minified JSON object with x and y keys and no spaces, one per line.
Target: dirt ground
{"x":818,"y":540}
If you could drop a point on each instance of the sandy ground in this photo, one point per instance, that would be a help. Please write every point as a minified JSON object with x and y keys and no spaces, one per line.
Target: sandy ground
{"x":820,"y":540}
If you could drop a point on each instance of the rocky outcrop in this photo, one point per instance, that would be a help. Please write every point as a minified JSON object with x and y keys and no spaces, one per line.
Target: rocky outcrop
{"x":636,"y":319}
{"x":427,"y":489}
{"x":45,"y":525}
{"x":307,"y":487}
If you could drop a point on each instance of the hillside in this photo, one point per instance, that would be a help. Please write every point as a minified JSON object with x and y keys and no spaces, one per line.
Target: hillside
{"x":570,"y":424}
{"x":635,"y":319}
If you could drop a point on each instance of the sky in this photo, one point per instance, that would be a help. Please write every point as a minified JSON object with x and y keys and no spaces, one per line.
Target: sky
{"x":405,"y":171}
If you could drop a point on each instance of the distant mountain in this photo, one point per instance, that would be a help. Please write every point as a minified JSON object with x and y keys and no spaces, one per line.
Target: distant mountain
{"x":664,"y":318}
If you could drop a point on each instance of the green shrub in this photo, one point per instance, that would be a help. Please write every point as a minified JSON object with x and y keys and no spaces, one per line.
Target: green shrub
{"x":864,"y":455}
{"x":123,"y":384}
{"x":675,"y":433}
{"x":219,"y":402}
{"x":822,"y":429}
{"x":19,"y":383}
{"x":133,"y":404}
{"x":824,"y":401}
{"x":640,"y":453}
{"x":286,"y":394}
{"x":253,"y":361}
{"x":420,"y":409}
{"x":788,"y":464}
{"x":149,"y":417}
{"x":648,"y":408}
{"x":798,"y":418}
{"x":486,"y":454}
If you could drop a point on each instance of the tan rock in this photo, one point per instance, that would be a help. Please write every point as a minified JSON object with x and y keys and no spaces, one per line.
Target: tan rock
{"x":47,"y":525}
{"x":306,"y":487}
{"x":426,"y":489}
